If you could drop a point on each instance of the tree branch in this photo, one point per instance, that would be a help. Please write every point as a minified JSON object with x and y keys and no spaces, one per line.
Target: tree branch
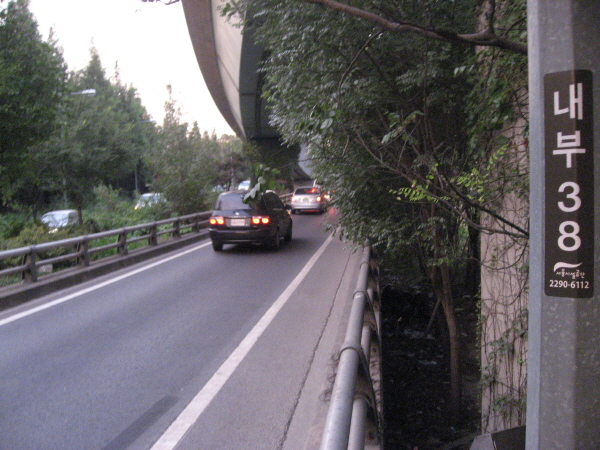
{"x":166,"y":2}
{"x":486,"y":38}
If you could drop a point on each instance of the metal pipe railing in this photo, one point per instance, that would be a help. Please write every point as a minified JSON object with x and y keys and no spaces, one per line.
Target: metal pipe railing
{"x":353,"y":399}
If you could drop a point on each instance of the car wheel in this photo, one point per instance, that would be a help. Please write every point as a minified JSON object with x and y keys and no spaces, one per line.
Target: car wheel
{"x":276,"y":242}
{"x":217,"y":246}
{"x":288,"y":235}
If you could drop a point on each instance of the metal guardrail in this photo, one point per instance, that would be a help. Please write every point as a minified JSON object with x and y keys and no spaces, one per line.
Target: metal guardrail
{"x":353,"y":420}
{"x":80,"y":251}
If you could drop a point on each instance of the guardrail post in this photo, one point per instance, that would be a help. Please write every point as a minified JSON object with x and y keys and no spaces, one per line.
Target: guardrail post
{"x":83,"y":258}
{"x":152,"y":238}
{"x":30,"y":274}
{"x":122,"y":243}
{"x":176,"y":229}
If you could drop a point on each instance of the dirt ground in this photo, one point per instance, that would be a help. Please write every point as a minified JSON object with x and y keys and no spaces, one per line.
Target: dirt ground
{"x":416,"y":375}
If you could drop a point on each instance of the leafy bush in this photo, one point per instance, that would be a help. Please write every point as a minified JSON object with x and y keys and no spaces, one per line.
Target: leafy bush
{"x":34,"y":234}
{"x":111,"y":211}
{"x":11,"y":225}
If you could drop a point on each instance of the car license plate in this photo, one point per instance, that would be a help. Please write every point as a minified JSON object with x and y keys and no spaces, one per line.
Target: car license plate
{"x":237,"y":222}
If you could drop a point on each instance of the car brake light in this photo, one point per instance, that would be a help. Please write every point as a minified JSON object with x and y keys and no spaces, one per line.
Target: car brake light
{"x":217,"y":220}
{"x":260,"y":220}
{"x":318,"y":199}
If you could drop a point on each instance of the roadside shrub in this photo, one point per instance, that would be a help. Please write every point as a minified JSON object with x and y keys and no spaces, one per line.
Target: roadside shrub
{"x":34,"y":234}
{"x":11,"y":225}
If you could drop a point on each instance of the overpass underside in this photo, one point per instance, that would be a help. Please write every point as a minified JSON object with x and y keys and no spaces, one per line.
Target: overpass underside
{"x":229,"y":61}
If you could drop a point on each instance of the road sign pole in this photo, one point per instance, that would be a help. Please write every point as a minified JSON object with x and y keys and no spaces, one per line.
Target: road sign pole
{"x":563,"y":389}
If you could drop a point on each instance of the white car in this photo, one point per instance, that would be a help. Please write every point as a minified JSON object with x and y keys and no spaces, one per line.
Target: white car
{"x":60,"y":219}
{"x":149,"y":199}
{"x":308,"y":199}
{"x":244,"y":185}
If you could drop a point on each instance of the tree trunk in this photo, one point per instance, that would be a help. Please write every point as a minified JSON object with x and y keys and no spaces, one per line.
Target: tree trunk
{"x":440,"y":279}
{"x":441,"y":283}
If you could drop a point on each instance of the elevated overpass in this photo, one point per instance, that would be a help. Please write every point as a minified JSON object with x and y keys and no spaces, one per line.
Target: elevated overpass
{"x":229,"y":62}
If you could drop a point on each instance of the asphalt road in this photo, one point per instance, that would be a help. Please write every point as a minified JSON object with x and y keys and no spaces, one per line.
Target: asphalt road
{"x":193,"y":350}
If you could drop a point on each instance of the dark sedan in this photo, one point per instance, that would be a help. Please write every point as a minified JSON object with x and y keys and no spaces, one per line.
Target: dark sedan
{"x":265,"y":221}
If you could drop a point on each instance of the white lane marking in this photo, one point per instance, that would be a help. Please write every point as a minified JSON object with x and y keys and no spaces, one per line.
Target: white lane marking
{"x":60,"y":300}
{"x":196,"y":407}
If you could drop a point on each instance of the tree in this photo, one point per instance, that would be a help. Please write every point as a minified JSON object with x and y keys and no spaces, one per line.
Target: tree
{"x":487,"y":36}
{"x":231,"y":162}
{"x":100,"y":137}
{"x":395,"y":20}
{"x":409,"y":109}
{"x":384,"y":115}
{"x":184,"y":163}
{"x":32,"y":77}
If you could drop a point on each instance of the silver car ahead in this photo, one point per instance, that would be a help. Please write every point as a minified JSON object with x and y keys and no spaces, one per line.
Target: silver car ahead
{"x":308,"y":199}
{"x":59,"y":219}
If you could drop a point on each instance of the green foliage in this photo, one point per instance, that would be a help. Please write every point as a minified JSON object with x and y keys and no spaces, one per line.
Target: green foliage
{"x":32,"y":74}
{"x":33,"y":234}
{"x":266,"y":180}
{"x":386,"y":117}
{"x":188,"y":166}
{"x":231,"y":163}
{"x":408,"y":132}
{"x":103,"y":136}
{"x":11,"y":225}
{"x":111,"y":210}
{"x":382,"y":113}
{"x":93,"y":139}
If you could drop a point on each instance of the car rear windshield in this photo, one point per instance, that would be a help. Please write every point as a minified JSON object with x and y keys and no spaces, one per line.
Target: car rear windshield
{"x":309,"y":190}
{"x":231,"y":202}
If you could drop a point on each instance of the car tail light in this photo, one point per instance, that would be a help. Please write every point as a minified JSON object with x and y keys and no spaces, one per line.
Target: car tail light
{"x":318,"y":199}
{"x":217,"y":220}
{"x":261,"y":220}
{"x":294,"y":199}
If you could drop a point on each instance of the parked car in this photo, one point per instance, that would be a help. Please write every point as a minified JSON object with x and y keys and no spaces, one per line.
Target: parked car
{"x":308,"y":199}
{"x":244,"y":185}
{"x":59,"y":219}
{"x":265,"y":221}
{"x":149,"y":199}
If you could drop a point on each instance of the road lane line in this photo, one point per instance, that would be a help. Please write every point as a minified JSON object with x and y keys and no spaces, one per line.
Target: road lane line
{"x":196,"y":407}
{"x":60,"y":300}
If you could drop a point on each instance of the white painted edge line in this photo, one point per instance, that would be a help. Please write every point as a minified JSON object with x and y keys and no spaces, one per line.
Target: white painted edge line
{"x":190,"y":414}
{"x":60,"y":300}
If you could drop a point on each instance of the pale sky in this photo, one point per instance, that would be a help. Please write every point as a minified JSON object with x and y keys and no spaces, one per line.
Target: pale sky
{"x":149,"y":42}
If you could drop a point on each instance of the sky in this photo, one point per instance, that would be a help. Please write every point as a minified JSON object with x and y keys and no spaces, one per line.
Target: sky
{"x":148,"y":41}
